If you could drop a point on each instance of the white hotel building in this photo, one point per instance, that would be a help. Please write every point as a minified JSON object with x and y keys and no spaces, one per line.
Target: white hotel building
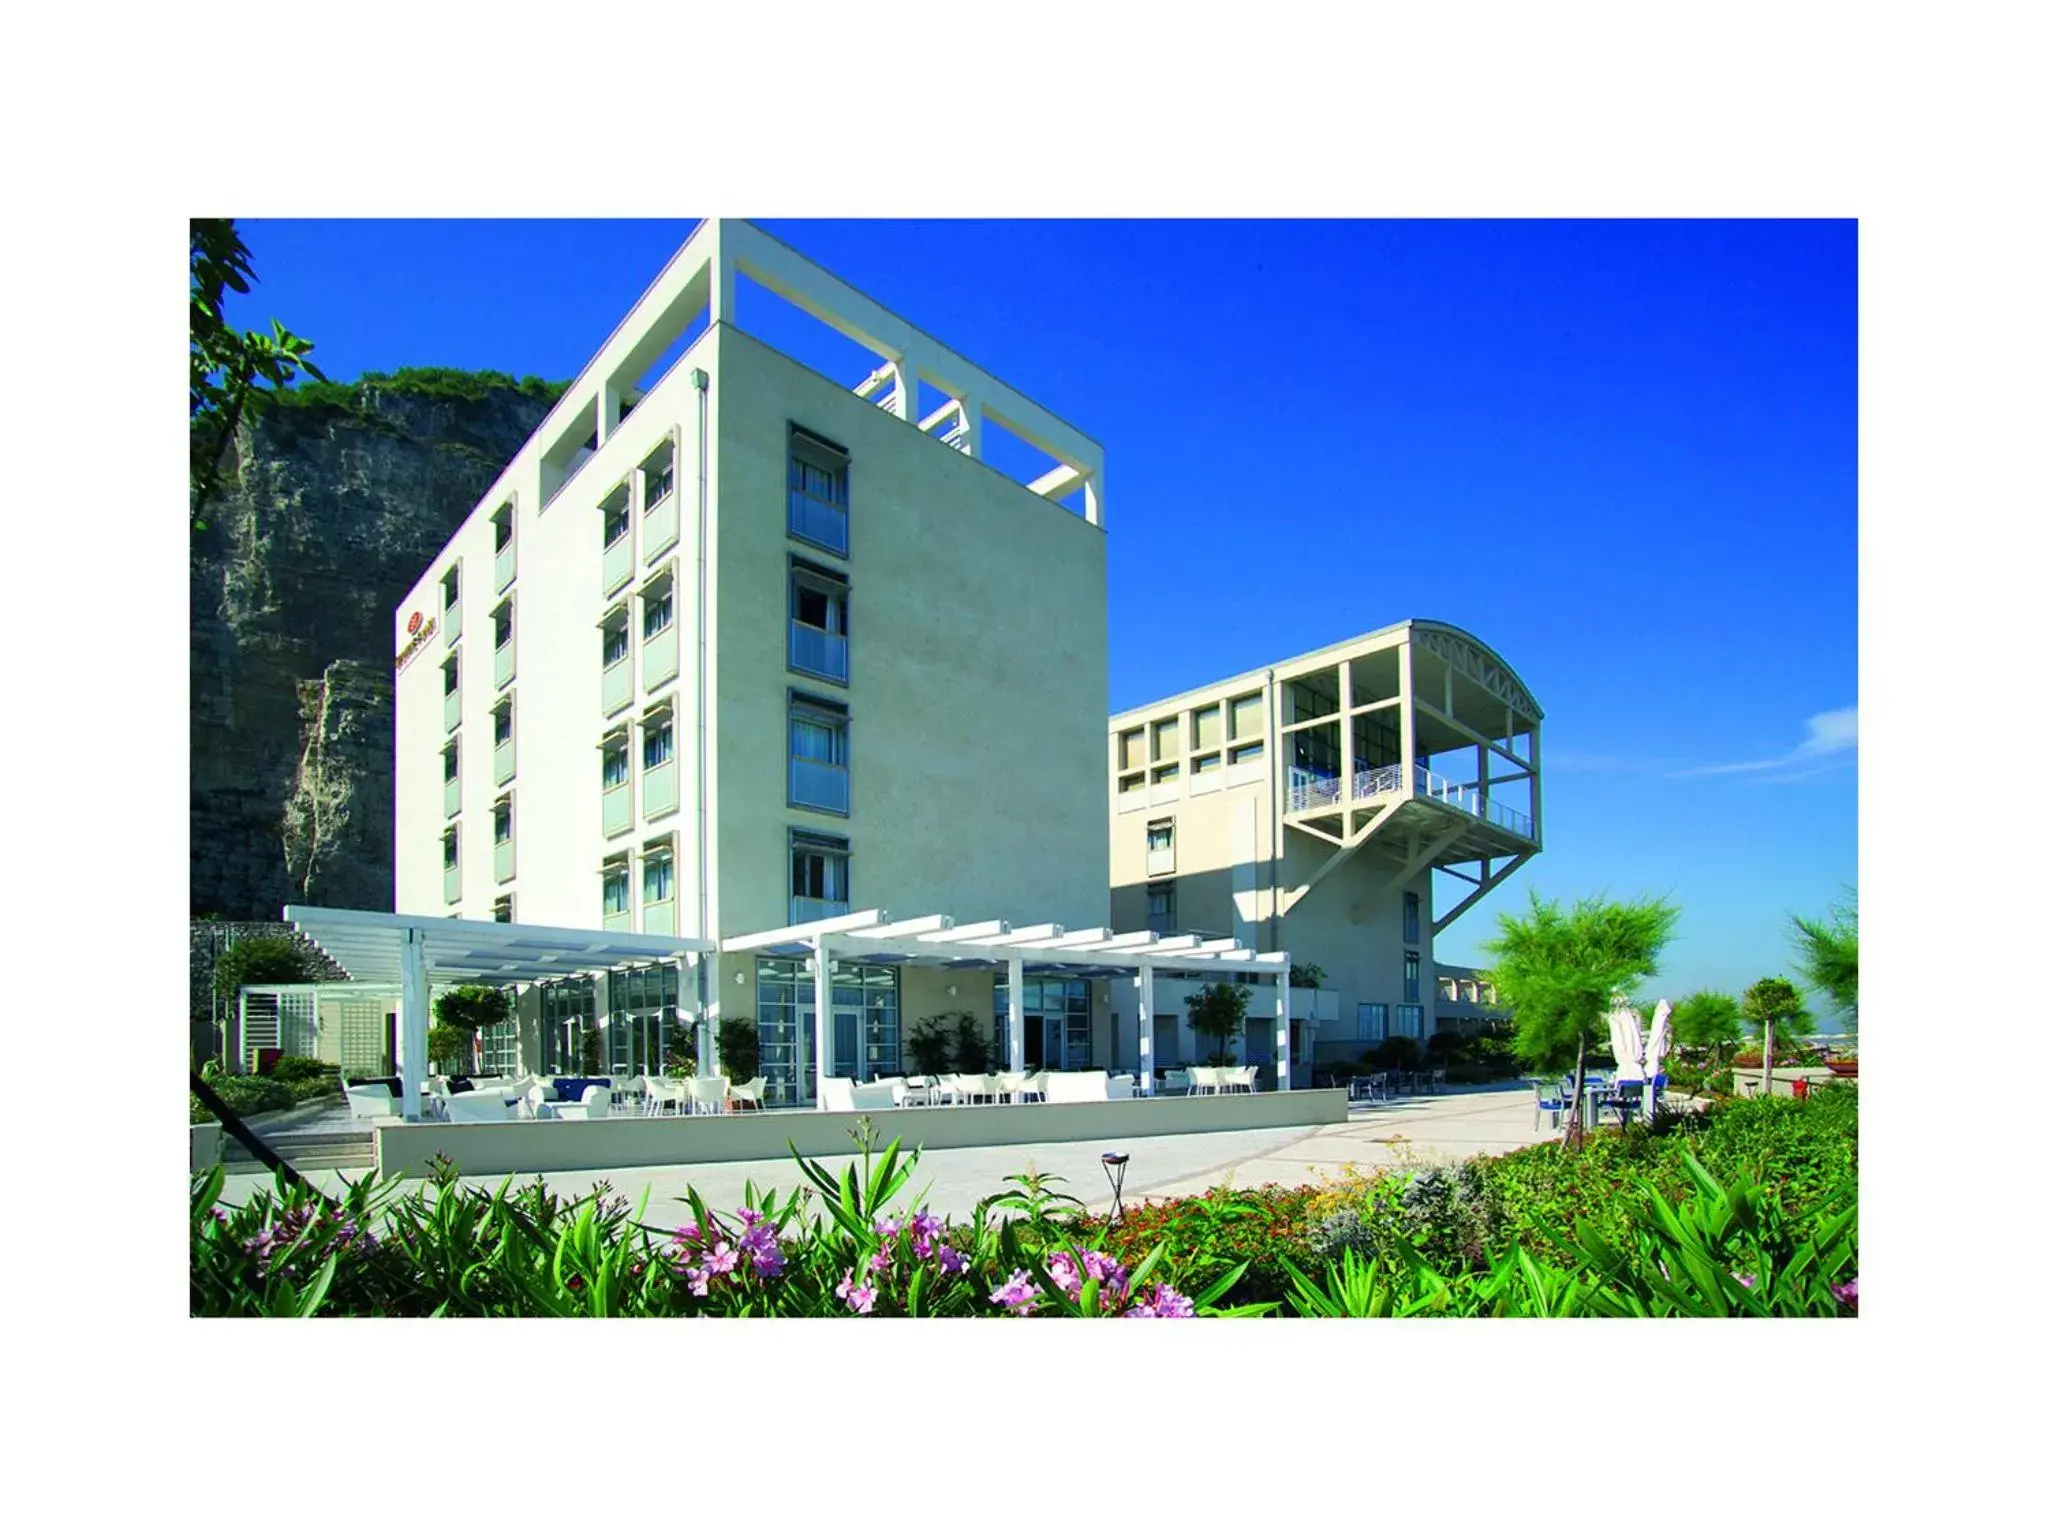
{"x":730,"y":645}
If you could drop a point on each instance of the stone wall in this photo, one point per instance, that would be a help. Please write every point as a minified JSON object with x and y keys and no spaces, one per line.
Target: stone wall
{"x":336,"y":509}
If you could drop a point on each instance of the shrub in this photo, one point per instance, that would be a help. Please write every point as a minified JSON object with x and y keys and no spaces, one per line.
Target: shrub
{"x":245,"y":1096}
{"x":971,"y":1052}
{"x":930,"y":1049}
{"x":449,"y":1047}
{"x":291,"y":1068}
{"x":1212,"y":1233}
{"x":739,"y":1048}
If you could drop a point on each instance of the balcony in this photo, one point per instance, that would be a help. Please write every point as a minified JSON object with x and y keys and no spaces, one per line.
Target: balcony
{"x":821,"y":786}
{"x":658,"y":790}
{"x":501,"y":861}
{"x":503,"y":761}
{"x":618,"y":922}
{"x":451,"y":882}
{"x":451,"y":708}
{"x":817,"y":522}
{"x":618,"y":562}
{"x":1159,"y":861}
{"x":1307,"y":791}
{"x":504,"y":660}
{"x":658,"y":917}
{"x":451,"y":795}
{"x":811,"y":909}
{"x":658,"y":533}
{"x":817,"y":651}
{"x":618,"y":684}
{"x":658,"y":657}
{"x":618,"y":807}
{"x":451,"y":622}
{"x":506,"y":564}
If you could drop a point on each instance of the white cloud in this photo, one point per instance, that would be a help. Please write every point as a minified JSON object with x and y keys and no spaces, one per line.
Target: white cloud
{"x":1830,"y":738}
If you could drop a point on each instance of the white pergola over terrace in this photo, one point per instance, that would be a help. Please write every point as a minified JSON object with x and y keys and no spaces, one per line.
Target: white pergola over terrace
{"x":874,"y":938}
{"x":416,"y":954}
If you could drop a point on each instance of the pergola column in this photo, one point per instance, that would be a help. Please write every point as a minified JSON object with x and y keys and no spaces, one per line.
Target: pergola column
{"x":1017,"y":1013}
{"x":412,"y":1021}
{"x":707,"y":1014}
{"x":1283,"y":1045}
{"x":1144,"y":1027}
{"x":821,"y":1023}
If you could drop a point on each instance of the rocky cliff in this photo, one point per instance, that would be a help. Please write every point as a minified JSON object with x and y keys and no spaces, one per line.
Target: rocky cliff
{"x":343,"y":495}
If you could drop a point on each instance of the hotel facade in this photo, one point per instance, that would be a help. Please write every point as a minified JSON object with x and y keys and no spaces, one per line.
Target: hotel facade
{"x":1308,"y":807}
{"x":731,"y":645}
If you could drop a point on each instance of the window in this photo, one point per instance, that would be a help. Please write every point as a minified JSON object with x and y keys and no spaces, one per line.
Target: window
{"x":618,"y":516}
{"x":1250,"y":753}
{"x":615,"y":643}
{"x":501,"y":625}
{"x":657,"y":612}
{"x":1408,"y":1020}
{"x":1207,"y":763}
{"x":617,"y":898}
{"x":820,"y":875}
{"x":1159,"y":913}
{"x":450,"y":848}
{"x":657,"y":744}
{"x":1130,"y":748}
{"x":616,"y":764}
{"x":1247,"y":716}
{"x":451,"y":586}
{"x":1159,"y":836}
{"x":817,"y":490}
{"x":451,"y":761}
{"x":451,"y":673}
{"x":1411,"y":918}
{"x":1411,"y":977}
{"x":501,"y":912}
{"x":1207,"y":724}
{"x":817,"y":621}
{"x":501,"y":821}
{"x":818,"y":754}
{"x":1372,"y":1022}
{"x":501,"y":529}
{"x":501,"y":722}
{"x":658,"y":876}
{"x":1166,"y":774}
{"x":658,"y":475}
{"x":1166,"y":739}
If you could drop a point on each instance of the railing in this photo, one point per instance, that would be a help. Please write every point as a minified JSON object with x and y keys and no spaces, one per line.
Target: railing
{"x":817,"y":651}
{"x":1308,"y":791}
{"x":810,"y":909}
{"x":818,"y":521}
{"x":822,"y":785}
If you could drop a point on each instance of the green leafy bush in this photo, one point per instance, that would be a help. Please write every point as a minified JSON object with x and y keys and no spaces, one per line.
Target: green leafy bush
{"x":739,"y":1048}
{"x":253,"y":962}
{"x":1260,"y":1229}
{"x":293,"y":1068}
{"x":245,"y":1096}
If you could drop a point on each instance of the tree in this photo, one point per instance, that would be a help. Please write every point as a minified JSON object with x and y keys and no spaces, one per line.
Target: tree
{"x":254,"y":962}
{"x":1771,"y":1002}
{"x":460,"y":1015}
{"x":1827,"y":956}
{"x":1710,"y":1021}
{"x":1559,"y":972}
{"x":1217,"y":1010}
{"x":233,"y":371}
{"x":930,"y":1048}
{"x":739,"y":1048}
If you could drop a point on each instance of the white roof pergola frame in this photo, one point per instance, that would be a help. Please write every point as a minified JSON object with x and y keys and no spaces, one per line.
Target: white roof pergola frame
{"x":873,"y":936}
{"x":417,"y":953}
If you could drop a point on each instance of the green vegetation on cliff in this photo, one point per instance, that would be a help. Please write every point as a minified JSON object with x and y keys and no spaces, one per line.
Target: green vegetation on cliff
{"x":432,"y":383}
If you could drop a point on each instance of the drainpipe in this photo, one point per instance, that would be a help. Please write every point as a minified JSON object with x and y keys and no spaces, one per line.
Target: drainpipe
{"x":707,"y":980}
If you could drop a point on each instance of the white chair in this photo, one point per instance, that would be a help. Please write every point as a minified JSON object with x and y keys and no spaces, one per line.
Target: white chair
{"x":1034,"y":1086}
{"x":1123,"y":1086}
{"x":596,"y":1105}
{"x":1244,"y":1079}
{"x":1201,"y":1080}
{"x":867,"y":1096}
{"x":474,"y":1107}
{"x":626,"y":1092}
{"x":372,"y":1101}
{"x":706,"y":1094}
{"x":835,"y":1093}
{"x":1009,"y":1085}
{"x":660,"y":1093}
{"x":1176,"y":1081}
{"x":1076,"y":1087}
{"x":750,"y":1092}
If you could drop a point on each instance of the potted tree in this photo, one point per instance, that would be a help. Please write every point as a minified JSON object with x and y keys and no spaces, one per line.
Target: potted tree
{"x":929,"y":1047}
{"x":971,"y":1052}
{"x":1217,"y":1011}
{"x":739,"y":1048}
{"x":461,"y":1014}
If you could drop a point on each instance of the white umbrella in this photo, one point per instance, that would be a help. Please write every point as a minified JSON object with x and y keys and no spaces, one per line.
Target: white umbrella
{"x":1653,"y":1059}
{"x":1625,"y":1033}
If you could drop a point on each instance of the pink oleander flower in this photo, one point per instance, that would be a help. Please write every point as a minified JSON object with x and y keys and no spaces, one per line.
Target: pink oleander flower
{"x":687,"y":1232}
{"x":722,"y":1260}
{"x":749,"y":1217}
{"x":879,"y":1264}
{"x":921,"y":1246}
{"x":1165,"y":1302}
{"x":1017,"y":1293}
{"x":950,"y":1263}
{"x":1100,"y":1266}
{"x":1065,"y":1274}
{"x":768,"y":1262}
{"x":859,"y":1298}
{"x":887,"y":1226}
{"x":700,"y":1281}
{"x":925,"y":1225}
{"x":1748,"y":1282}
{"x":1845,"y":1292}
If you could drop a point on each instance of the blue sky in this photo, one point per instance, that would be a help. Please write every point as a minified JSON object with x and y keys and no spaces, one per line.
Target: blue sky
{"x":1622,"y":453}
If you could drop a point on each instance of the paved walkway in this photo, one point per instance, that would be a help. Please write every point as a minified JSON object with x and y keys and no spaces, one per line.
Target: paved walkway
{"x":1452,"y":1125}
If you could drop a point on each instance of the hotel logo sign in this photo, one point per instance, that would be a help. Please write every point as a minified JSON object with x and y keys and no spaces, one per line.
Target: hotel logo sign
{"x":421,"y":631}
